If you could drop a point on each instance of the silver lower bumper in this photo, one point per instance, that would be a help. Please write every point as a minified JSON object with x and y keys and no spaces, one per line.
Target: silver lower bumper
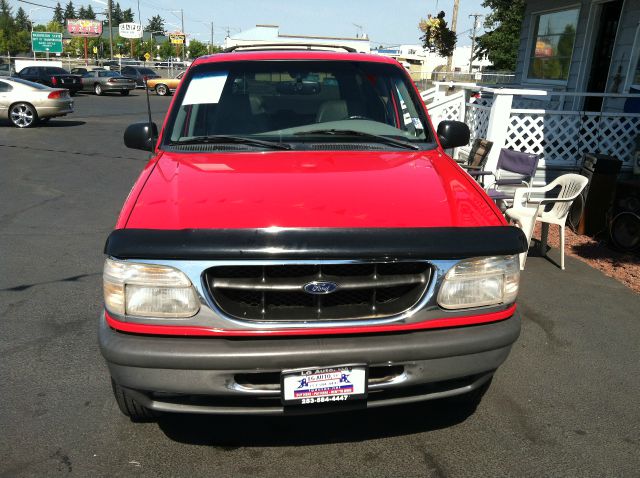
{"x":200,"y":375}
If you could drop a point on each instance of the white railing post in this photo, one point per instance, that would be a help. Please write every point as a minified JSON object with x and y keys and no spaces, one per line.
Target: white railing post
{"x":497,"y":130}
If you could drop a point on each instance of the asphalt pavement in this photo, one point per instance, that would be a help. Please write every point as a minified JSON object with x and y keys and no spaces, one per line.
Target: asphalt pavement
{"x":564,"y":404}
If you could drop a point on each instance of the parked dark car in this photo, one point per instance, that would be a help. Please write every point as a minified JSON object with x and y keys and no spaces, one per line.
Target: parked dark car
{"x":52,"y":76}
{"x":139,"y":73}
{"x":106,"y":81}
{"x":78,"y":71}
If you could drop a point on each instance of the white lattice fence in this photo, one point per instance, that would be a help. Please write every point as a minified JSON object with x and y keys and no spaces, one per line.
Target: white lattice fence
{"x":477,"y":118}
{"x":449,"y":108}
{"x":563,"y":137}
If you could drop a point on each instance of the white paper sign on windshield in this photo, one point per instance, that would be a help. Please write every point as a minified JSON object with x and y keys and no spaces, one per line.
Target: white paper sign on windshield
{"x":205,"y":88}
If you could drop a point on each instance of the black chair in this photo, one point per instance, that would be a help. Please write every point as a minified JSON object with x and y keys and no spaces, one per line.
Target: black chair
{"x":477,"y":160}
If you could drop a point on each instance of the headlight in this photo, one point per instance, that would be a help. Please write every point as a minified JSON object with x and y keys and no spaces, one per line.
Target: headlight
{"x":481,"y":281}
{"x":147,"y":290}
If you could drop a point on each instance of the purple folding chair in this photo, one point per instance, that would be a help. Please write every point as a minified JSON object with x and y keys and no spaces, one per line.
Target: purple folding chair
{"x":514,"y":162}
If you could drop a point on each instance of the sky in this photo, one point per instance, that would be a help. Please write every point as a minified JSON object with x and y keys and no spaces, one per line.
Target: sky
{"x":386,"y":22}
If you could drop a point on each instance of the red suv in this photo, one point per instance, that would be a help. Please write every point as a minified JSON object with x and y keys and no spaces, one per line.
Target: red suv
{"x":300,"y":242}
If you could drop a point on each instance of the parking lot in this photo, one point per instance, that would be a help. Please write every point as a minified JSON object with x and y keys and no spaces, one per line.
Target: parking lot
{"x":564,"y":404}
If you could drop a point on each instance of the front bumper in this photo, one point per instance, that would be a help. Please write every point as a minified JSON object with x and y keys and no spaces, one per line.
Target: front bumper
{"x":240,"y":375}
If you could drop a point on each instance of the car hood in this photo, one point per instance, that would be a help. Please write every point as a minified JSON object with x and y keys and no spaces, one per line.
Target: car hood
{"x":307,"y":189}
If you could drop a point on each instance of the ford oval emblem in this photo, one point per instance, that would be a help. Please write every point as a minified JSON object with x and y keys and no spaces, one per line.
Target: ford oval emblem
{"x":320,"y":287}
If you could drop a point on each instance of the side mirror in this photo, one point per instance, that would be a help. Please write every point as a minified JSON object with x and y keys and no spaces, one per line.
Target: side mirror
{"x":138,"y":136}
{"x":453,"y":134}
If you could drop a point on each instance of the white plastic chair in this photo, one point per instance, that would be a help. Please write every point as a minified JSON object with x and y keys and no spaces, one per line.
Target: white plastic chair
{"x":527,"y":210}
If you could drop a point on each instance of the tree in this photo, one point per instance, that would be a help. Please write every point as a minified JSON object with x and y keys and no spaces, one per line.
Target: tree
{"x":197,"y":48}
{"x":58,"y":14}
{"x":22,"y":20}
{"x":116,"y":14}
{"x":90,"y":14}
{"x":156,"y":24}
{"x":437,"y":36}
{"x":127,"y":15}
{"x":69,"y":11}
{"x":502,"y":39}
{"x":82,"y":13}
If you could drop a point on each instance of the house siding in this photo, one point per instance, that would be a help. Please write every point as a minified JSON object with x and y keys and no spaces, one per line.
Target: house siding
{"x":581,"y":58}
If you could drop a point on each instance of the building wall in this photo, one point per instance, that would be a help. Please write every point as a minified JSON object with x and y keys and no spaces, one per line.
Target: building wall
{"x":583,"y":47}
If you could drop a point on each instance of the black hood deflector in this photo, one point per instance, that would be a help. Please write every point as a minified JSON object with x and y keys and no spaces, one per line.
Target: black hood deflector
{"x":316,"y":243}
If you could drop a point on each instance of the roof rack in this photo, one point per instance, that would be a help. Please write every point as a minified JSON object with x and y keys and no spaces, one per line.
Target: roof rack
{"x":283,"y":46}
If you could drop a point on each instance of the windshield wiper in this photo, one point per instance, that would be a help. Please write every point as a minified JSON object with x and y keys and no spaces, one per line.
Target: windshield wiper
{"x":223,"y":138}
{"x":351,"y":132}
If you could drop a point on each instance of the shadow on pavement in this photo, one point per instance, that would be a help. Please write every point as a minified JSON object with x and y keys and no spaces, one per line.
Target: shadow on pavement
{"x":56,"y":123}
{"x":236,"y":431}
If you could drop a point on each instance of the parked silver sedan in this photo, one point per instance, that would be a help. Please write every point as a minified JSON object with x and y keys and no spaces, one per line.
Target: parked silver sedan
{"x":26,"y":103}
{"x":103,"y":81}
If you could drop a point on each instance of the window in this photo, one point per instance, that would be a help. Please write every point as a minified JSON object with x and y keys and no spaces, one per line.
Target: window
{"x":5,"y":87}
{"x":107,"y":74}
{"x":553,"y":39}
{"x":635,"y":76}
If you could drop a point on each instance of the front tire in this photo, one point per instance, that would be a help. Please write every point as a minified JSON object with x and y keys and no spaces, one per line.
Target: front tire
{"x":130,"y":407}
{"x":23,"y":115}
{"x":98,"y":89}
{"x":124,"y":92}
{"x":162,"y":90}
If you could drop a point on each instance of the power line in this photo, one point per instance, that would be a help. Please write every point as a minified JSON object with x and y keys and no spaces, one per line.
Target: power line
{"x":37,"y":4}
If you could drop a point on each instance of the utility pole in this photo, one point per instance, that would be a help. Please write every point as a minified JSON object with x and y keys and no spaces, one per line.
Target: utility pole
{"x":211,"y":44}
{"x":183,"y":32}
{"x":473,"y":38}
{"x":454,"y":23}
{"x":110,"y":30}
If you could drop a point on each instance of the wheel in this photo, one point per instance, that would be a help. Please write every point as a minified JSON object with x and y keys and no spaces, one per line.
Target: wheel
{"x":129,"y":406}
{"x":162,"y":90}
{"x":124,"y":92}
{"x":98,"y":89}
{"x":73,"y":92}
{"x":23,"y":115}
{"x":624,"y":231}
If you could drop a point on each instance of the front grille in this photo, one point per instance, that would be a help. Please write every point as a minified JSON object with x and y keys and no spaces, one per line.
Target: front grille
{"x":276,"y":292}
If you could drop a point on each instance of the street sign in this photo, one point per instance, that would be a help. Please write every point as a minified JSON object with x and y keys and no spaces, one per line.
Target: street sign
{"x":95,"y":49}
{"x":130,"y":30}
{"x":147,"y":56}
{"x":177,"y":38}
{"x":50,"y":42}
{"x":84,"y":28}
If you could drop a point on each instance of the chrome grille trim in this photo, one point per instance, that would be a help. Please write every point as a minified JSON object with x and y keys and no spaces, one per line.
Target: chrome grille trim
{"x":274,"y":293}
{"x":356,"y":282}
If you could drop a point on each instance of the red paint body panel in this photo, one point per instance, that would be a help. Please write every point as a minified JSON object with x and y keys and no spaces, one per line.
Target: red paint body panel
{"x":308,"y":189}
{"x":344,"y":189}
{"x":204,"y":331}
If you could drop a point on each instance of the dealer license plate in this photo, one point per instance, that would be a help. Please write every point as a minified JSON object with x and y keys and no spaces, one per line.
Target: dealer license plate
{"x":324,"y":385}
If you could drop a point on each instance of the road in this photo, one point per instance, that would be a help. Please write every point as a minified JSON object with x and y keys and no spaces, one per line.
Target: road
{"x":564,"y":404}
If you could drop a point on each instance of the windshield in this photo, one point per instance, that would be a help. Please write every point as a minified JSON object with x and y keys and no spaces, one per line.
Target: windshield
{"x":103,"y":74}
{"x":299,"y":102}
{"x":146,"y":71}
